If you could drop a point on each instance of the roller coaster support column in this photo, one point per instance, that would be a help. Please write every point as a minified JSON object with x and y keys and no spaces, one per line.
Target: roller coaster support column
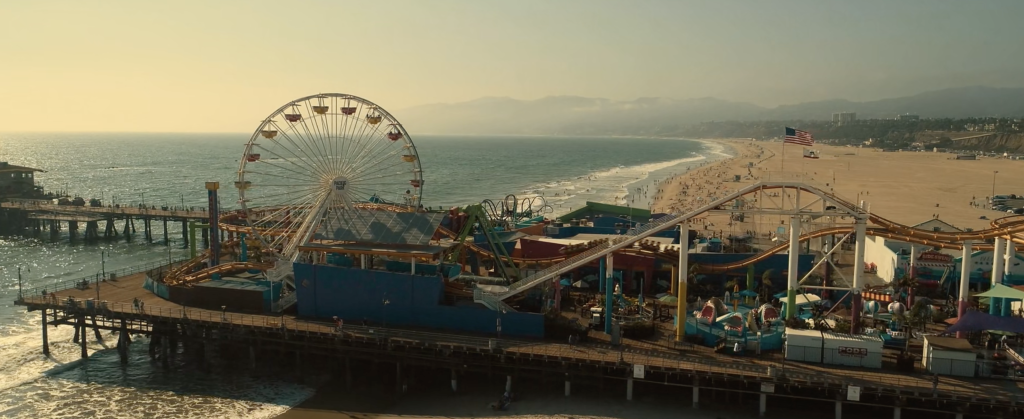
{"x":1007,"y":263}
{"x":912,"y":274}
{"x":1011,"y":255}
{"x":211,"y":189}
{"x":965,"y":282}
{"x":192,"y":226}
{"x":243,"y":254}
{"x":684,"y":268}
{"x":601,"y":275}
{"x":793,"y":279}
{"x":856,"y":305}
{"x":609,"y":287}
{"x":998,"y":262}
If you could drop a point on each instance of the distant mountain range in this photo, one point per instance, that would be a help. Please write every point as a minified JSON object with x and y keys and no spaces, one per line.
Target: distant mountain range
{"x":573,"y":115}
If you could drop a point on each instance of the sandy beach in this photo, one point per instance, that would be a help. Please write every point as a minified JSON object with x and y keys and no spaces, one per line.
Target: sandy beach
{"x":905,"y":187}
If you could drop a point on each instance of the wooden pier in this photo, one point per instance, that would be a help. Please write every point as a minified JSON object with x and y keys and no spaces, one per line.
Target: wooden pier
{"x":696,"y":370}
{"x":36,"y":216}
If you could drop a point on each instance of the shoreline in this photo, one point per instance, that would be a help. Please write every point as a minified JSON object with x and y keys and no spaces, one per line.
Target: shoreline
{"x":640,"y":189}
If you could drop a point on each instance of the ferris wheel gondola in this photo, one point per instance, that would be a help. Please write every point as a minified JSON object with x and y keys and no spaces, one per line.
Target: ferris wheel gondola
{"x":311,"y":163}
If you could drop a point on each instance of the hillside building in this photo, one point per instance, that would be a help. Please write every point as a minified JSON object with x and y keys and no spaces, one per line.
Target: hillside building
{"x":841,"y":118}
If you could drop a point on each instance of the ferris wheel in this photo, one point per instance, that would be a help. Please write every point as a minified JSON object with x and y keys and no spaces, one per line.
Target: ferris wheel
{"x":316,"y":156}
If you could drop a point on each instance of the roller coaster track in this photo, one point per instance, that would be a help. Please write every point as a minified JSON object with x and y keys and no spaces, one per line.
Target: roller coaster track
{"x":1006,"y":228}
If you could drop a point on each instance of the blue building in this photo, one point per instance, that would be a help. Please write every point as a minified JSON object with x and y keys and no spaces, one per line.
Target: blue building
{"x":380,"y":267}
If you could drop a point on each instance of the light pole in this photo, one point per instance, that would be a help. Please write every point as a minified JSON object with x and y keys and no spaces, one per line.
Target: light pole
{"x":385,"y":303}
{"x":994,"y":184}
{"x":143,"y":199}
{"x":103,"y":262}
{"x":499,"y":322}
{"x":182,"y":200}
{"x":21,"y":296}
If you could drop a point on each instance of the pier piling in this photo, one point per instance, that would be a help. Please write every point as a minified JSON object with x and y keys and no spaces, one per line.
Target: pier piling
{"x":764,"y":405}
{"x":455,"y":381}
{"x":696,"y":392}
{"x":568,"y":385}
{"x":96,"y":328}
{"x":167,"y":242}
{"x":165,"y":353}
{"x":629,"y":389}
{"x":46,"y":341}
{"x":839,"y":409}
{"x":399,"y":388}
{"x":184,"y":232}
{"x":348,"y":373}
{"x":81,"y":325}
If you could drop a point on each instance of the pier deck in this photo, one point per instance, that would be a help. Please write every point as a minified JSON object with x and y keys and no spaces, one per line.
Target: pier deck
{"x":658,"y":357}
{"x":57,"y":216}
{"x":103,"y":212}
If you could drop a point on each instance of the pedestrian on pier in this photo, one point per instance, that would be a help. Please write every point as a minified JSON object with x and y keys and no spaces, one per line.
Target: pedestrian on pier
{"x":142,"y":307}
{"x":135,"y":304}
{"x":935,"y":385}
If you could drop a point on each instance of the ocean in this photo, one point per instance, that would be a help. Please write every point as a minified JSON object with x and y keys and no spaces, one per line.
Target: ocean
{"x":557,"y":174}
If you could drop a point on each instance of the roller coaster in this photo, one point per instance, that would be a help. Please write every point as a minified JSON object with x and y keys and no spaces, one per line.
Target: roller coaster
{"x":634,"y":241}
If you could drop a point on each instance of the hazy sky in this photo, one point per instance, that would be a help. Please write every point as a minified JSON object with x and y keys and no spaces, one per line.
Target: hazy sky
{"x":220,"y":65}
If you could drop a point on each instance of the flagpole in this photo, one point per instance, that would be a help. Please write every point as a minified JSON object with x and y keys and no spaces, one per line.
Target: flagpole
{"x":783,"y":169}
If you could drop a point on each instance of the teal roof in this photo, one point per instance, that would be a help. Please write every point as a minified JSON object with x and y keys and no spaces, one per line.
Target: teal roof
{"x":597,"y":208}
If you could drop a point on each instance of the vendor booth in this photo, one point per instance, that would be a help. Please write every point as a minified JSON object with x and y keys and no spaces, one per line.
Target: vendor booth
{"x":803,"y":345}
{"x":852,"y":350}
{"x":948,"y":356}
{"x":818,"y":347}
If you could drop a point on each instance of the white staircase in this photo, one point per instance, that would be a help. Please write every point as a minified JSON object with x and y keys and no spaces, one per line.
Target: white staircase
{"x":491,"y":301}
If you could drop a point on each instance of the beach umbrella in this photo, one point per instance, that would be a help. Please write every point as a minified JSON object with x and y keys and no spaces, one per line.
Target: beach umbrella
{"x":748,"y":293}
{"x":669,"y":299}
{"x":565,"y":282}
{"x":581,"y":284}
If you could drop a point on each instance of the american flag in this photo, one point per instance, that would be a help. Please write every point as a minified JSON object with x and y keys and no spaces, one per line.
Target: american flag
{"x":795,"y":136}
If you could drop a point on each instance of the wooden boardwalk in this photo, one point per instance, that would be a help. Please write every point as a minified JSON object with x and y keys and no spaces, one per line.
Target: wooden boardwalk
{"x":656,"y":356}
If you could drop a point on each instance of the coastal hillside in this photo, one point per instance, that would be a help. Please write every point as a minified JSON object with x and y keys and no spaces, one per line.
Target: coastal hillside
{"x":1010,"y":143}
{"x":574,"y":115}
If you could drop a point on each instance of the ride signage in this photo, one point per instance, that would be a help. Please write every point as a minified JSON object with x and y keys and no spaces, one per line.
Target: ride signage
{"x":935,"y":257}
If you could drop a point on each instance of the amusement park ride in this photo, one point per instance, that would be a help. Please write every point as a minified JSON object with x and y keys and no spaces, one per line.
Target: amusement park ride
{"x":315,"y":159}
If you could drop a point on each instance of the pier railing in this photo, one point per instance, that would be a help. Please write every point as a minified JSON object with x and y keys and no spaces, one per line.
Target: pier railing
{"x":769,"y":368}
{"x":85,"y":281}
{"x":120,"y":210}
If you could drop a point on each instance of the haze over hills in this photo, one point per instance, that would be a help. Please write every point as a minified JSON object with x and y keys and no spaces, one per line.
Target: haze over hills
{"x":573,"y":115}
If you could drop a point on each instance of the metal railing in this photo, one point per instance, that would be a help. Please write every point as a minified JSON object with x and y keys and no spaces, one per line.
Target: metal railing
{"x":291,"y":324}
{"x":80,"y":282}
